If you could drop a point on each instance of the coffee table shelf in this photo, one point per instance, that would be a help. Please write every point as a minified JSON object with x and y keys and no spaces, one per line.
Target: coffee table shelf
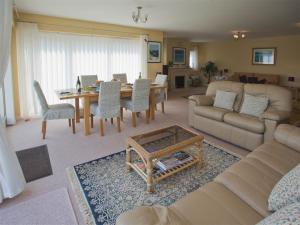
{"x":156,"y":144}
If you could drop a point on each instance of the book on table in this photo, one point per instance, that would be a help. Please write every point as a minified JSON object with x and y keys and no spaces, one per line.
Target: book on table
{"x":167,"y":162}
{"x":173,"y":160}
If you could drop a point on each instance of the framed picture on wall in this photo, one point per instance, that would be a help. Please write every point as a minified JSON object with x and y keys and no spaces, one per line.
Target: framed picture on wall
{"x":178,"y":56}
{"x":154,"y":52}
{"x":263,"y":56}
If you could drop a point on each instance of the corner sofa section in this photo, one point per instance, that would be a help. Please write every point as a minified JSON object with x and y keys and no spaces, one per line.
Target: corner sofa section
{"x":246,"y":131}
{"x":238,"y":196}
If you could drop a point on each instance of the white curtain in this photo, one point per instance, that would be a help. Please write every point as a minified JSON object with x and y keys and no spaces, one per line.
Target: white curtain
{"x":144,"y":48}
{"x":56,"y":59}
{"x":12,"y":181}
{"x":194,"y":58}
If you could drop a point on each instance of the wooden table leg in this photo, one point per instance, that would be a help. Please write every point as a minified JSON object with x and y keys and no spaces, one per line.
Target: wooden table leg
{"x":149,"y":176}
{"x":77,"y":110}
{"x":128,"y":158}
{"x":152,"y":104}
{"x":86,"y":115}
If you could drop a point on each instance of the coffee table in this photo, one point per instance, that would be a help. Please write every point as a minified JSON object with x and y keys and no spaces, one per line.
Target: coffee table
{"x":159,"y":143}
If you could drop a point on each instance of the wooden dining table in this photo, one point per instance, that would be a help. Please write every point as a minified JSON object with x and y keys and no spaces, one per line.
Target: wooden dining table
{"x":91,"y":96}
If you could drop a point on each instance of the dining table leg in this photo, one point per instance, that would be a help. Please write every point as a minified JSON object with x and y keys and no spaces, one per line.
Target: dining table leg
{"x":152,"y":104}
{"x":77,"y":110}
{"x":86,"y":115}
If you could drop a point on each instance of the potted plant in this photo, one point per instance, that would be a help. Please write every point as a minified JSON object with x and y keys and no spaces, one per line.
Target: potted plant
{"x":209,"y":70}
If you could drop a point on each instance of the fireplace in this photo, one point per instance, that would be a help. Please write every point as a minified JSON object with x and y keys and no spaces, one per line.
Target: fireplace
{"x":179,"y":81}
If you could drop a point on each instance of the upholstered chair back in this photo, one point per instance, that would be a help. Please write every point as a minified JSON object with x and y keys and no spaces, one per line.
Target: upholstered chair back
{"x":109,"y":99}
{"x":88,"y":80}
{"x":41,"y":97}
{"x":236,"y":87}
{"x":161,"y":79}
{"x":140,"y":95}
{"x":280,"y":98}
{"x":122,"y":77}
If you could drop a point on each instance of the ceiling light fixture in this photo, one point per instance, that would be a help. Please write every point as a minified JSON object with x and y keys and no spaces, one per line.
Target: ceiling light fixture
{"x":239,"y":35}
{"x":138,"y":17}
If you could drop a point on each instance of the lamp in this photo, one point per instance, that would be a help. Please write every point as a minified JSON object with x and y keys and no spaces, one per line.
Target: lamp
{"x":239,"y":35}
{"x":138,"y":17}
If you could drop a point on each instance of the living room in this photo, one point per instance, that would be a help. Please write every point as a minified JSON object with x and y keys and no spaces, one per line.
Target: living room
{"x":123,"y":112}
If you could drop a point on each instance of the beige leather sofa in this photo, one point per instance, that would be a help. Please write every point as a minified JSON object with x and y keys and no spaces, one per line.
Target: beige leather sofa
{"x":246,"y":131}
{"x":238,"y":196}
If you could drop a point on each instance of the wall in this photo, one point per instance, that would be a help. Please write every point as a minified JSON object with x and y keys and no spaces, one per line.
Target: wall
{"x":56,"y":24}
{"x":170,"y":43}
{"x":237,"y":55}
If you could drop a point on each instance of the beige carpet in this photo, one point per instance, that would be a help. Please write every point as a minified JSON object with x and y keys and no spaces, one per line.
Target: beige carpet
{"x":52,"y":208}
{"x":66,"y":149}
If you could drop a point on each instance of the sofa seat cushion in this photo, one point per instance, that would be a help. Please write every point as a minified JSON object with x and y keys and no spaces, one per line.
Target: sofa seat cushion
{"x":214,"y":204}
{"x":242,"y":121}
{"x":252,"y":181}
{"x":210,"y":112}
{"x":277,"y":156}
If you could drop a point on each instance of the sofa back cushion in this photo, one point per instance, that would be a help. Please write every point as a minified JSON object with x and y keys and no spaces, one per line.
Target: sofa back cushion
{"x":280,"y":98}
{"x":231,"y":86}
{"x":225,"y":100}
{"x":288,"y":135}
{"x":254,"y":105}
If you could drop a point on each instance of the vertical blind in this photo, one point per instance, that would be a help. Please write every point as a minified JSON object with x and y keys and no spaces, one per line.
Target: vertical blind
{"x":56,"y":59}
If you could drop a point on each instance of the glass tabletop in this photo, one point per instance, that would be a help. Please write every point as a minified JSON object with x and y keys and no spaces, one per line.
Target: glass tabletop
{"x":160,"y":139}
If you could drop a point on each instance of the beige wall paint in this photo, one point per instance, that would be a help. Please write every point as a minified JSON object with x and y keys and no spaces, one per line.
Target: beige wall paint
{"x":56,"y":24}
{"x":170,"y":43}
{"x":237,"y":55}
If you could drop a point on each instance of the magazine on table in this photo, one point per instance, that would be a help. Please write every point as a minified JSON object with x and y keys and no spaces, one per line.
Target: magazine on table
{"x":173,"y":160}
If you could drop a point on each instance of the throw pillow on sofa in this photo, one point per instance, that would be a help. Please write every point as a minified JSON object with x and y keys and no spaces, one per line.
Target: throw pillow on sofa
{"x":288,"y":215}
{"x":225,"y":100}
{"x":254,"y":105}
{"x":286,"y":191}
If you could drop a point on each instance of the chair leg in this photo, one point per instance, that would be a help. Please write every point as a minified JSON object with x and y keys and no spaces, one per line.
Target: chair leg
{"x":44,"y":128}
{"x":101,"y":127}
{"x":133,"y":119}
{"x":163,"y":107}
{"x":119,"y":124}
{"x":147,"y":116}
{"x":92,"y":121}
{"x":73,"y":125}
{"x":121,"y":113}
{"x":112,"y":120}
{"x":69,"y":122}
{"x":138,"y":114}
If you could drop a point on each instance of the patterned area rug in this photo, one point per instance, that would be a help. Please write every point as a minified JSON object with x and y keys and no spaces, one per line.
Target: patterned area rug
{"x":104,"y":189}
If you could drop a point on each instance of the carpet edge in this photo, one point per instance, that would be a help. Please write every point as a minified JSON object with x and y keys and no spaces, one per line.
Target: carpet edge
{"x":79,"y":196}
{"x":224,"y":149}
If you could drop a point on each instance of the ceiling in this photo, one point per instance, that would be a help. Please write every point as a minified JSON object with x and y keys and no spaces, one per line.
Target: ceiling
{"x":196,"y":20}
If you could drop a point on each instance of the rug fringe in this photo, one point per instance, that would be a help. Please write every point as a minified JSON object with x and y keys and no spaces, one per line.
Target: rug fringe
{"x":79,"y":196}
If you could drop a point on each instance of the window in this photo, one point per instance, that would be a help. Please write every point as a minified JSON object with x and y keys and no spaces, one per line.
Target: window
{"x":194,"y":58}
{"x":56,"y":59}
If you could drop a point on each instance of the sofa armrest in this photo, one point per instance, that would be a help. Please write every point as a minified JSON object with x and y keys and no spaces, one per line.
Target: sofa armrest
{"x":202,"y":100}
{"x":288,"y":135}
{"x":156,"y":215}
{"x":276,"y":115}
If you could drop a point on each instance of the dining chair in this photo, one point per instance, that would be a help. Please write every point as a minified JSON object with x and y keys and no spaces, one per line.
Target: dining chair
{"x":139,"y":101}
{"x":161,"y":95}
{"x":53,"y":112}
{"x":108,"y":105}
{"x":122,"y":77}
{"x":88,"y":80}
